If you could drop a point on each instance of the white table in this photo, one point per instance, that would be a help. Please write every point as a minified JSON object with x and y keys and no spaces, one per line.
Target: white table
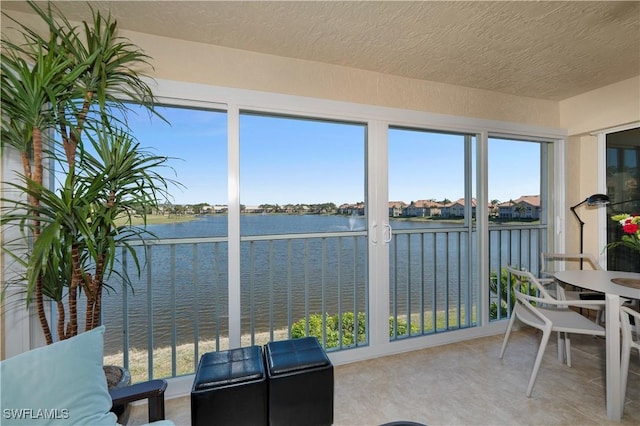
{"x":601,"y":281}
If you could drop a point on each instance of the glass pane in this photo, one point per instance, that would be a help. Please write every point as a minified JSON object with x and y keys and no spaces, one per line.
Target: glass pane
{"x":301,"y":179}
{"x":426,"y":178}
{"x":517,"y":181}
{"x":623,"y":175}
{"x":181,"y":293}
{"x":430,"y":274}
{"x":514,"y":181}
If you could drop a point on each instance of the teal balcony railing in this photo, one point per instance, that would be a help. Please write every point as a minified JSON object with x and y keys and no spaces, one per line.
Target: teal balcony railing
{"x":431,"y":281}
{"x":297,"y":284}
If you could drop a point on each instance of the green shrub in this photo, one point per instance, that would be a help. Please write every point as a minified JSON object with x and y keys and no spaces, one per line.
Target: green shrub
{"x":506,"y":297}
{"x":347,"y":325}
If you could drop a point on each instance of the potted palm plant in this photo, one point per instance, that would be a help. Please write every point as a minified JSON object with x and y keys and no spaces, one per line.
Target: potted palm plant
{"x":64,"y":103}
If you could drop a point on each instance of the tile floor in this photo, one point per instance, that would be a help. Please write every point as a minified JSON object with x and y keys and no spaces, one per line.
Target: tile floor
{"x":467,"y":384}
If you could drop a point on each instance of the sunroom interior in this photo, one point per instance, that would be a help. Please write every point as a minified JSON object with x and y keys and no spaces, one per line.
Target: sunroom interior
{"x":564,"y":76}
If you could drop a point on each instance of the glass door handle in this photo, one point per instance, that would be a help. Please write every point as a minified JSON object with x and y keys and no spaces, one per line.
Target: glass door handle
{"x":389,"y":232}
{"x":374,"y":229}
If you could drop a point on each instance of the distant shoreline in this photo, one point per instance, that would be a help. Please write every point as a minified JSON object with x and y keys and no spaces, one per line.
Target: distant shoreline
{"x":157,"y":219}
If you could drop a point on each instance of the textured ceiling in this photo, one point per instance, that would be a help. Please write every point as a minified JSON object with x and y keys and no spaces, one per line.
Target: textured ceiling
{"x":547,"y":50}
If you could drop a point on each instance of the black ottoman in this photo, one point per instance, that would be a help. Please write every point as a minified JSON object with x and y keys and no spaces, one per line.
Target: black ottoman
{"x":230,"y":388}
{"x":300,"y":383}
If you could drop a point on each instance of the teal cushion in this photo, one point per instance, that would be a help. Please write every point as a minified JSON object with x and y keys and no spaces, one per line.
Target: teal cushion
{"x":62,"y":383}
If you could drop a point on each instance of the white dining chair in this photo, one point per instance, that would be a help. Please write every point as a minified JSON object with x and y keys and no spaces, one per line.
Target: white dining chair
{"x":628,"y":344}
{"x":548,"y":266}
{"x":537,"y":308}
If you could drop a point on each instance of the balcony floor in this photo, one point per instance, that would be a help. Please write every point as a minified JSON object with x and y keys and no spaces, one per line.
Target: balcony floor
{"x":466,"y":383}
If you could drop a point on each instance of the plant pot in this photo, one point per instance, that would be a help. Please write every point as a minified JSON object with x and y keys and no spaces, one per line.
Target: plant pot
{"x":118,"y":377}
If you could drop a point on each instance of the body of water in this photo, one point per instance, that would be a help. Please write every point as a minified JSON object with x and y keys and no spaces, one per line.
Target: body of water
{"x":185,"y":286}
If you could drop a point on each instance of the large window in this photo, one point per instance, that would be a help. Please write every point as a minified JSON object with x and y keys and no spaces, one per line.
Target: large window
{"x":330,"y":221}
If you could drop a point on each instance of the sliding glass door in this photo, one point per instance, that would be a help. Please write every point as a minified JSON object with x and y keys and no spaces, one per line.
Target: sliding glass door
{"x":303,"y":229}
{"x":359,"y":231}
{"x":622,"y":177}
{"x":431,"y":211}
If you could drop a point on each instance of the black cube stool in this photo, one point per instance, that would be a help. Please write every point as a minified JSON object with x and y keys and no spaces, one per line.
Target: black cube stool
{"x":300,"y":383}
{"x":230,"y":388}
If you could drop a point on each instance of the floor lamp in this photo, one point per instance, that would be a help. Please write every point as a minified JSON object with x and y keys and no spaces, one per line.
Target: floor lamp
{"x":593,"y":200}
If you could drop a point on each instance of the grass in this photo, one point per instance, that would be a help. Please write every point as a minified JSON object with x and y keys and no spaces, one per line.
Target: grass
{"x":185,"y":356}
{"x":186,"y":362}
{"x":157,"y":219}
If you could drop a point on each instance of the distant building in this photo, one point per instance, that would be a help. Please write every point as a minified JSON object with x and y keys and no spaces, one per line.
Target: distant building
{"x":396,"y":208}
{"x":525,"y":207}
{"x":457,"y":208}
{"x":352,"y":209}
{"x":423,"y":208}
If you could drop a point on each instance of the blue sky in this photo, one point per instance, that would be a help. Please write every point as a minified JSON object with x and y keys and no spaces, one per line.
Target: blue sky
{"x":284,"y":160}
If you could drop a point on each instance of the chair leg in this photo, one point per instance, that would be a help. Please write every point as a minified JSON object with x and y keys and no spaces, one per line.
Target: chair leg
{"x":561,"y":351}
{"x":508,"y":332}
{"x":536,"y":366}
{"x":624,"y":370}
{"x":567,"y":346}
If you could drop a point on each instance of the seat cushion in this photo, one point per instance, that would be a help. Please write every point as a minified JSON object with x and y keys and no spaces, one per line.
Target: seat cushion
{"x":286,"y":356}
{"x":229,"y":367}
{"x":62,"y":383}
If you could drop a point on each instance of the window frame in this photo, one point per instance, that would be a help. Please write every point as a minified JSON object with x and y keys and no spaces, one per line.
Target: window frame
{"x":378,"y":119}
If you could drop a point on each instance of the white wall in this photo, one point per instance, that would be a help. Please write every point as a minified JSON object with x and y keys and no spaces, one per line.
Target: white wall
{"x":609,"y":106}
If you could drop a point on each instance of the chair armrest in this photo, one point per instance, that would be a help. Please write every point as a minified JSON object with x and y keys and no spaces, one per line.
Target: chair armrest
{"x":152,"y":390}
{"x":563,"y":303}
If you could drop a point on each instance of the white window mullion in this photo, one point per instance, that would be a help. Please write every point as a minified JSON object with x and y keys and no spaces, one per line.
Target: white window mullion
{"x":233,"y":215}
{"x":377,"y":195}
{"x":482,"y":226}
